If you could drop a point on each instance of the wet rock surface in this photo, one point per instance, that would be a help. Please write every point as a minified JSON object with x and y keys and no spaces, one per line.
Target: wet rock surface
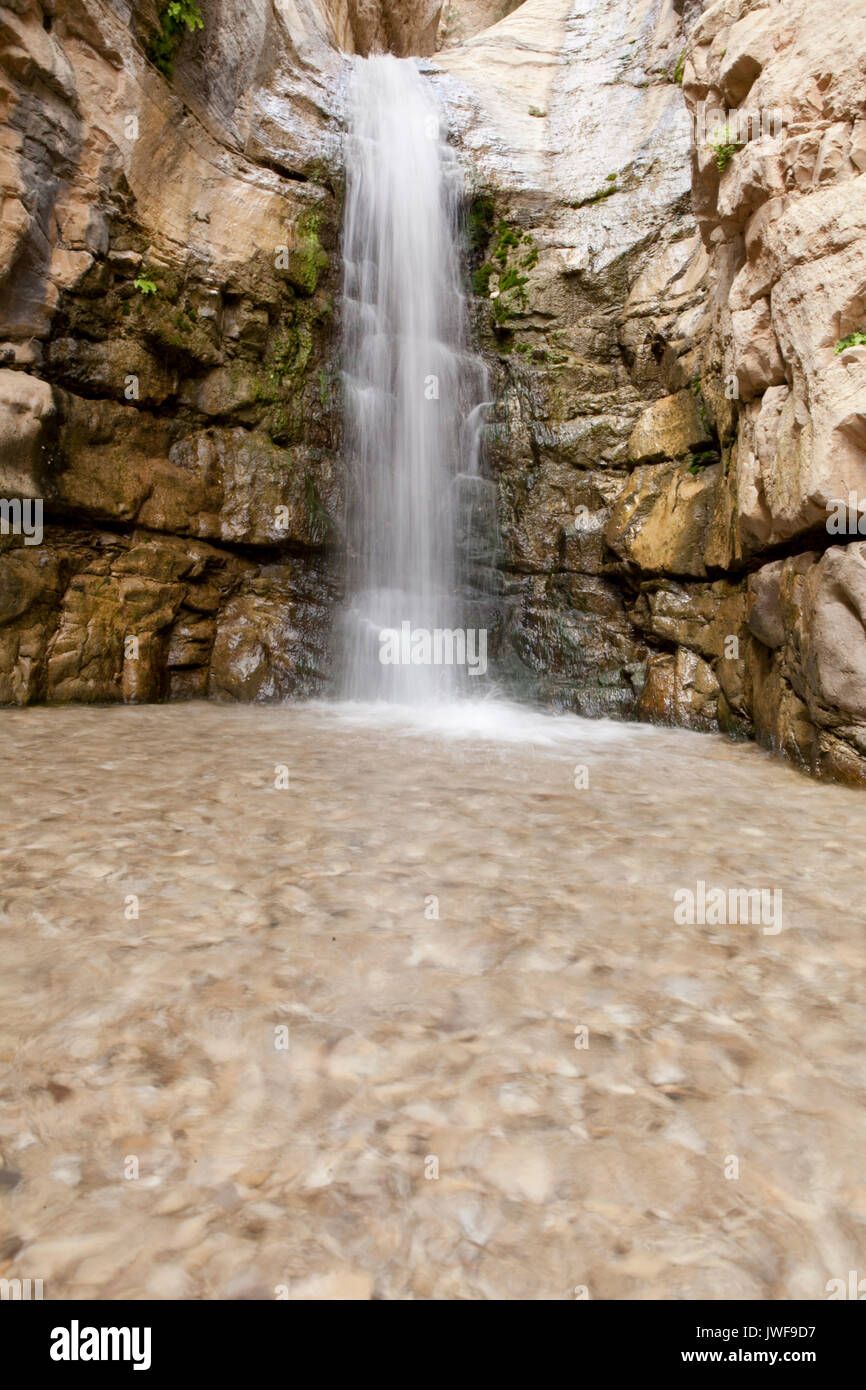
{"x":588,"y":269}
{"x":782,"y":215}
{"x":171,"y":918}
{"x":99,"y":616}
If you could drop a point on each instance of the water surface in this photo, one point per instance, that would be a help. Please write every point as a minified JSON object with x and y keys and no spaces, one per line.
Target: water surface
{"x":419,"y":1043}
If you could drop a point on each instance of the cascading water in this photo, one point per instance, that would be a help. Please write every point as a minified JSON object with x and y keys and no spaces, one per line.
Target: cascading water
{"x":413,"y":395}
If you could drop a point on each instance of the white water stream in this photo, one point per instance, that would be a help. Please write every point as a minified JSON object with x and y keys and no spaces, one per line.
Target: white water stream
{"x":413,"y":394}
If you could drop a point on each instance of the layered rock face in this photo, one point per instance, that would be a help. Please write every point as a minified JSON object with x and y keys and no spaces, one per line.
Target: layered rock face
{"x":401,"y":27}
{"x":667,"y":233}
{"x":591,"y":283}
{"x":168,"y":379}
{"x":682,"y":388}
{"x":782,"y":212}
{"x":167,"y":283}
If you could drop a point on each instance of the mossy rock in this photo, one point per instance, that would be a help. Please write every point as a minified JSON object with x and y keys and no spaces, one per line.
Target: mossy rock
{"x":307,"y":260}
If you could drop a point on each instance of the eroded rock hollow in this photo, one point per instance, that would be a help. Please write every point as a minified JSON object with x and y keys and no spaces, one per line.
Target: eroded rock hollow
{"x":666,"y":241}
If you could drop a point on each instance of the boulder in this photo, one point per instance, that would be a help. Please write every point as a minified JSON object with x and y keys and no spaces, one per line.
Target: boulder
{"x":27,"y":414}
{"x":270,"y":643}
{"x":680,"y":689}
{"x":661,"y":520}
{"x":669,"y":429}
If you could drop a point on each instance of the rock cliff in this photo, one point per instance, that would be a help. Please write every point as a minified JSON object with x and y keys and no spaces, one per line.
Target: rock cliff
{"x":167,"y":287}
{"x":782,"y":213}
{"x":671,"y":207}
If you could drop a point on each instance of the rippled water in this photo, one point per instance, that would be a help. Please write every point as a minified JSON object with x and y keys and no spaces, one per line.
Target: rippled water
{"x":420,"y":1043}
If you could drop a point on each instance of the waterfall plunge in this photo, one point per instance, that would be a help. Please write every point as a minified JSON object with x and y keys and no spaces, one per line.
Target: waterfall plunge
{"x":413,"y":393}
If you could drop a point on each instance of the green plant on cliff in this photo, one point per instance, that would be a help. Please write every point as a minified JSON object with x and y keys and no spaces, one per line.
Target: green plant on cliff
{"x":307,"y":258}
{"x":479,"y":224}
{"x":705,"y":459}
{"x":698,"y":393}
{"x":506,"y":264}
{"x":853,"y":340}
{"x":481,"y":280}
{"x":508,"y":239}
{"x":678,"y":71}
{"x":724,"y":149}
{"x":145,"y":283}
{"x":177,"y":18}
{"x":538,"y":355}
{"x":510,"y":281}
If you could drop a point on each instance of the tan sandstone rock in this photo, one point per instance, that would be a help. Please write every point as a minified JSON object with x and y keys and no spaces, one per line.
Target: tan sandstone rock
{"x":661,"y":520}
{"x":668,"y":429}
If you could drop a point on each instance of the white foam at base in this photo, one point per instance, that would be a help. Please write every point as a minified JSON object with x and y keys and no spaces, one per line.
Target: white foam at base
{"x":489,"y":720}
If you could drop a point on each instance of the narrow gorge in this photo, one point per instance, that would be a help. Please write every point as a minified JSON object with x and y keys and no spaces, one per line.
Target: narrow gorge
{"x":673,"y":427}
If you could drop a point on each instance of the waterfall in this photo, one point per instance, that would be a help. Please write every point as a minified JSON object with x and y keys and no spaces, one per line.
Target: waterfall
{"x":413,"y":394}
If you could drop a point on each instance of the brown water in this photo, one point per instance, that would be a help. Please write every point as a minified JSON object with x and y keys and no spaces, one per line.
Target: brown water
{"x":417,"y":1042}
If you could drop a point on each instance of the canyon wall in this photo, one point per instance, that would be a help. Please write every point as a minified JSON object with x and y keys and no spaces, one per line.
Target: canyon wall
{"x":590,"y":276}
{"x":670,"y":315}
{"x":168,"y":274}
{"x":784,"y":223}
{"x":672,"y":309}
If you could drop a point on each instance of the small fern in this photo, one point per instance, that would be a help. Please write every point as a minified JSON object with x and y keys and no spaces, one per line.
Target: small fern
{"x":145,"y":283}
{"x":724,"y":149}
{"x":853,"y":340}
